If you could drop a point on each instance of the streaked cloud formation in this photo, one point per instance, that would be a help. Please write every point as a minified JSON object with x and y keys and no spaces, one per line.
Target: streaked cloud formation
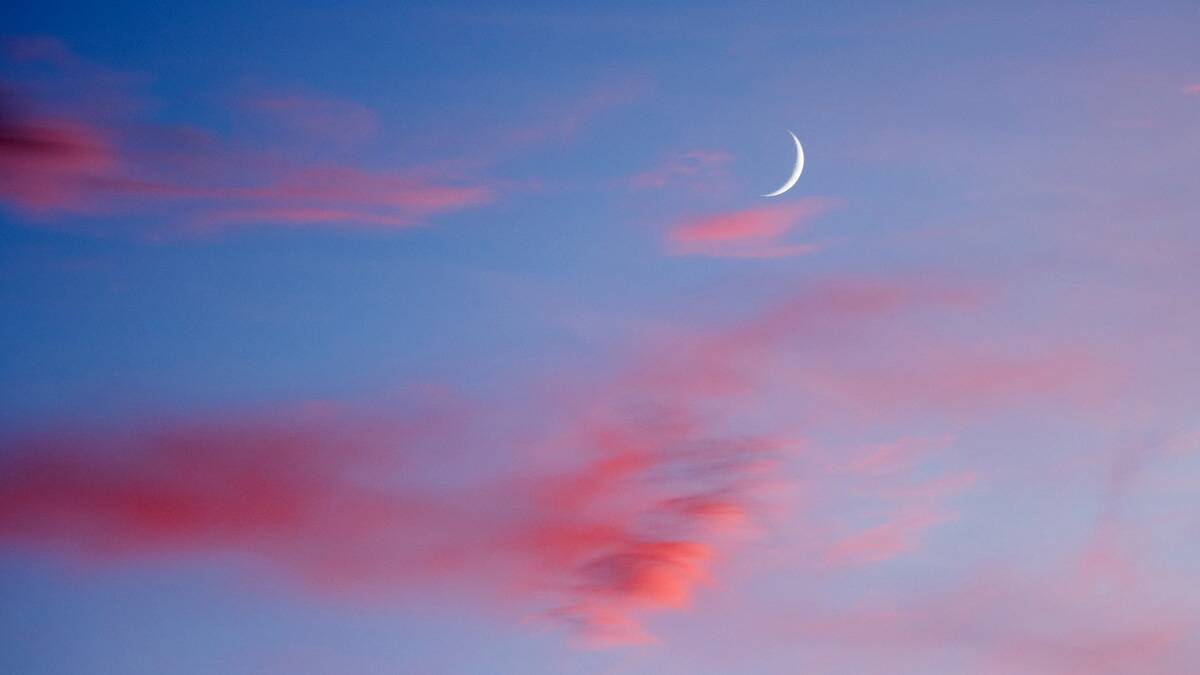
{"x":636,"y":489}
{"x":316,"y":116}
{"x":751,"y":233}
{"x":689,"y":166}
{"x":117,"y":162}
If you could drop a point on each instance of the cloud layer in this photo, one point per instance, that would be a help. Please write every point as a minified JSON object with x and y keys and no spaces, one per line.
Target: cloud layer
{"x":624,"y":497}
{"x":750,"y":233}
{"x":65,"y":156}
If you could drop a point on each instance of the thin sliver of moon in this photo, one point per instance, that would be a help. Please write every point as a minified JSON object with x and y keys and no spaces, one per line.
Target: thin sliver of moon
{"x":795,"y":170}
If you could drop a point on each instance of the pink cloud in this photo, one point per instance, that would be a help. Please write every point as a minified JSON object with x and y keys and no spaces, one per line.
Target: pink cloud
{"x":752,"y":233}
{"x":1192,"y":89}
{"x":640,"y":484}
{"x":564,"y":121}
{"x":910,"y":512}
{"x":284,"y":175}
{"x":1059,"y":622}
{"x":949,"y":379}
{"x":898,"y":535}
{"x":53,"y":165}
{"x":338,"y":195}
{"x":321,"y":497}
{"x":45,"y":163}
{"x":692,"y":166}
{"x":43,"y":48}
{"x":322,"y":118}
{"x":886,"y":457}
{"x":620,"y":497}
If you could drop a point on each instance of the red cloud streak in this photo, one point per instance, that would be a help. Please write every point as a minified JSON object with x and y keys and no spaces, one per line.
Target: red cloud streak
{"x":44,"y":161}
{"x":618,"y":500}
{"x":54,"y":164}
{"x":631,"y":523}
{"x":695,"y":165}
{"x":752,"y":233}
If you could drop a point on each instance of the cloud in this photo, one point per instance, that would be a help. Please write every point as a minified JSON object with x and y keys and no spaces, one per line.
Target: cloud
{"x":951,"y":379}
{"x":79,"y":140}
{"x":898,"y":535}
{"x":184,"y":180}
{"x":332,"y":195}
{"x":1060,"y":621}
{"x":639,"y":484}
{"x":320,"y":117}
{"x":630,"y":522}
{"x":1192,"y":89}
{"x":695,"y":166}
{"x":43,"y":48}
{"x":910,"y":512}
{"x":617,"y":497}
{"x":563,"y":122}
{"x":45,"y":162}
{"x":751,"y":233}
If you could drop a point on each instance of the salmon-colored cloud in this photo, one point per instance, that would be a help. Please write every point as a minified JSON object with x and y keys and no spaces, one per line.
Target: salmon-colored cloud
{"x":46,"y":163}
{"x":332,"y":195}
{"x":629,"y":522}
{"x":320,"y":117}
{"x":563,"y":121}
{"x":693,"y":166}
{"x":910,"y":512}
{"x":53,"y":164}
{"x":1057,"y":622}
{"x":637,"y":487}
{"x":43,"y":48}
{"x":752,"y":233}
{"x":287,"y":160}
{"x":952,"y":379}
{"x":897,"y":535}
{"x":620,"y":497}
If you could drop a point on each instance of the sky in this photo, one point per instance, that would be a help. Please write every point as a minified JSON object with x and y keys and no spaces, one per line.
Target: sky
{"x":439,"y":338}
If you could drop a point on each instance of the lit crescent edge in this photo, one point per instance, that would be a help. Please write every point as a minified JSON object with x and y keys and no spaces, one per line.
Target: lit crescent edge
{"x":795,"y":171}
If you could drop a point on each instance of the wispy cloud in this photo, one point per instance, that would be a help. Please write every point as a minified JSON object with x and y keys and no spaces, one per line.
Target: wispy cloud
{"x":55,"y":164}
{"x":616,"y":501}
{"x":43,"y":48}
{"x":45,"y":160}
{"x":752,"y":233}
{"x":626,"y":515}
{"x":565,"y":120}
{"x":321,"y":117}
{"x":1062,"y":621}
{"x":911,"y":511}
{"x":694,"y":166}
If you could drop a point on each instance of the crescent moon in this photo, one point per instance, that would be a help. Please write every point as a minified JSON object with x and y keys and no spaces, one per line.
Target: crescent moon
{"x":795,"y":170}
